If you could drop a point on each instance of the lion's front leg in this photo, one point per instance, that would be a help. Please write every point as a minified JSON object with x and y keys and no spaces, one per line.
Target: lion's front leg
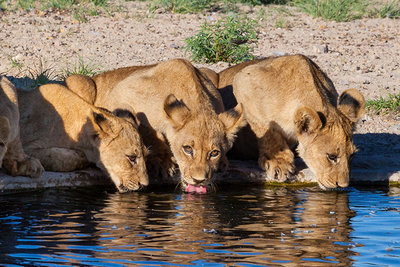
{"x":160,"y":161}
{"x":275,"y":156}
{"x":17,"y":163}
{"x":59,"y":159}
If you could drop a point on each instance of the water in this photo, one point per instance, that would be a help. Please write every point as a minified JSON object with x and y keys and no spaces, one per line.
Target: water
{"x":236,"y":227}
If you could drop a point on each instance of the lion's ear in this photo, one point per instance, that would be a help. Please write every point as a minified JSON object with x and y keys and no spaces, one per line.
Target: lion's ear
{"x":233,"y":120}
{"x":176,"y":111}
{"x":127,"y":115}
{"x":352,"y":104}
{"x":307,"y":121}
{"x":102,"y":124}
{"x":5,"y":128}
{"x":83,"y":86}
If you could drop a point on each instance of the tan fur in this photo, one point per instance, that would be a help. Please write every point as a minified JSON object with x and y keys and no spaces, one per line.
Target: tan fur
{"x":179,"y":106}
{"x":66,"y":133}
{"x":289,"y":100}
{"x":12,"y":156}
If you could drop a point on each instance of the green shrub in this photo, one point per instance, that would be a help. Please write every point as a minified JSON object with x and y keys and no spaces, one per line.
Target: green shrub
{"x":82,"y":6}
{"x":225,"y":40}
{"x":41,"y":73}
{"x":26,"y":4}
{"x":80,"y":67}
{"x":390,"y":10}
{"x":3,"y":4}
{"x":384,"y":105}
{"x":338,"y":10}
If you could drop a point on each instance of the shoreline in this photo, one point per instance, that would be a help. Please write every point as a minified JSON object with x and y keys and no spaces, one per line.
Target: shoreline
{"x":238,"y":173}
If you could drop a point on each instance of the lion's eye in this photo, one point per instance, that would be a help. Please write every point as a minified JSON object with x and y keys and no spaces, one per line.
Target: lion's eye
{"x":188,"y":150}
{"x":332,"y":157}
{"x":214,"y":153}
{"x":132,"y":159}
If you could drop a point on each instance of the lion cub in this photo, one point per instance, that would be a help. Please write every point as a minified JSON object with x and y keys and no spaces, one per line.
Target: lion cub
{"x":179,"y":107}
{"x":66,"y":133}
{"x":12,"y":155}
{"x":289,"y":100}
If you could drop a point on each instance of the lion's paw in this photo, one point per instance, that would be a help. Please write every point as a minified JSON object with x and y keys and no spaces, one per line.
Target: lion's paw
{"x":27,"y":167}
{"x":279,"y":168}
{"x":30,"y":167}
{"x":162,"y":167}
{"x":169,"y":167}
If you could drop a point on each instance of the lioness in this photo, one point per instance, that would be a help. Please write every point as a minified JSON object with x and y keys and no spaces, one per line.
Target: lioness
{"x":180,"y":105}
{"x":289,"y":100}
{"x":66,"y":133}
{"x":12,"y":155}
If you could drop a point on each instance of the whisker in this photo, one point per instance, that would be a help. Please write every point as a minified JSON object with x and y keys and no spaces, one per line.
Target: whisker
{"x":180,"y":183}
{"x":213,"y":187}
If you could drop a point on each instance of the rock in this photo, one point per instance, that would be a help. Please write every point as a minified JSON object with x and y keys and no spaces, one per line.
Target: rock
{"x":278,"y":53}
{"x":395,"y":128}
{"x":320,"y":49}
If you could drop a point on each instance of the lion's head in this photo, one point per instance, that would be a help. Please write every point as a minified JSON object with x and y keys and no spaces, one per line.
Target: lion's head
{"x":120,"y":150}
{"x":326,"y":142}
{"x":199,"y":140}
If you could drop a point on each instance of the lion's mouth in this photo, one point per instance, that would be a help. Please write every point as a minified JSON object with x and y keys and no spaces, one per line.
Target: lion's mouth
{"x":129,"y":187}
{"x":199,"y":189}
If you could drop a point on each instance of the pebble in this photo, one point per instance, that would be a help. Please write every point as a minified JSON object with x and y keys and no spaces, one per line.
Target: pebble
{"x":320,"y":49}
{"x":395,"y":128}
{"x":278,"y":53}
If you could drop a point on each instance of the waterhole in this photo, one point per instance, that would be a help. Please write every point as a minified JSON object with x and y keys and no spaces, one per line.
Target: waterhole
{"x":252,"y":226}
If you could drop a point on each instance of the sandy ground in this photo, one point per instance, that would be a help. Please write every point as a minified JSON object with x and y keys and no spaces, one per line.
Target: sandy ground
{"x":363,"y":54}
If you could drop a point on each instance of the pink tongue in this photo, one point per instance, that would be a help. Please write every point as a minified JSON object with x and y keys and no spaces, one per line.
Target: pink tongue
{"x":196,"y":189}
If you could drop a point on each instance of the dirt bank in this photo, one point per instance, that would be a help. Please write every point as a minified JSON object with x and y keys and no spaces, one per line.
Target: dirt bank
{"x":362,"y":54}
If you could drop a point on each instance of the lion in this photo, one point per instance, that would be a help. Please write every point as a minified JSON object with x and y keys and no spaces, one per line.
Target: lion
{"x":182,"y":109}
{"x":12,"y":156}
{"x":290,"y":101}
{"x":66,"y":133}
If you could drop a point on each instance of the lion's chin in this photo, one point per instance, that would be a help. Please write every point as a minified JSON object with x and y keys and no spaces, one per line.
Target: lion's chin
{"x":201,"y":189}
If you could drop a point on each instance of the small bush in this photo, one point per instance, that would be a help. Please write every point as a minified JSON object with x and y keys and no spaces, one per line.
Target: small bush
{"x":80,"y":67}
{"x":226,"y":40}
{"x":384,"y":105}
{"x":41,"y":73}
{"x":338,"y":10}
{"x":26,"y":4}
{"x":78,"y":8}
{"x":391,"y":10}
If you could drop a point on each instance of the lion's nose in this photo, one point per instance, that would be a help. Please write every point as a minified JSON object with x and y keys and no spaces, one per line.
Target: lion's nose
{"x":342,"y":184}
{"x":198,"y":180}
{"x":144,"y":181}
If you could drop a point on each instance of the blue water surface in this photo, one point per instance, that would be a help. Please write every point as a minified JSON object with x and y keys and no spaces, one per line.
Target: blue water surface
{"x":250,"y":226}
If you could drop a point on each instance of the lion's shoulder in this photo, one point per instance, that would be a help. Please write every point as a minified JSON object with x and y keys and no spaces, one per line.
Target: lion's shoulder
{"x":9,"y":113}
